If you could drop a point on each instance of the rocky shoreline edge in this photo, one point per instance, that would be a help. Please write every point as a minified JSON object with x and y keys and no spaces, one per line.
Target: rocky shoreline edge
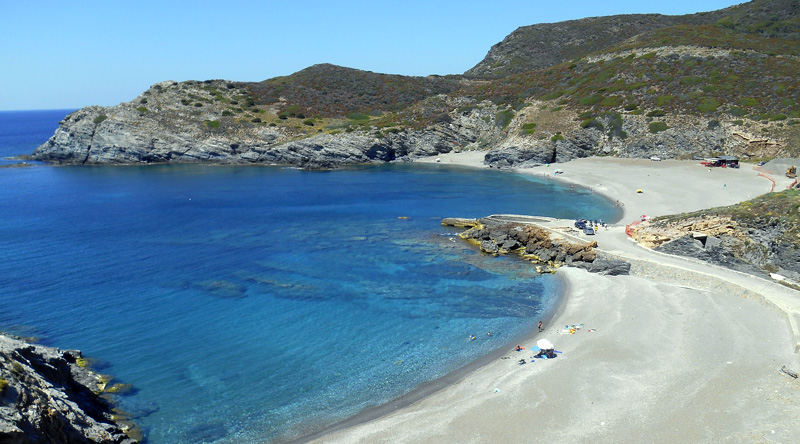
{"x":545,"y":247}
{"x":49,"y":395}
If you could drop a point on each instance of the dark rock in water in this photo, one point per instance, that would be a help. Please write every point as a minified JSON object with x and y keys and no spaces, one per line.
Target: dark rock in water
{"x":224,"y":289}
{"x":47,"y":397}
{"x":610,"y":267}
{"x":138,"y":409}
{"x":206,"y":432}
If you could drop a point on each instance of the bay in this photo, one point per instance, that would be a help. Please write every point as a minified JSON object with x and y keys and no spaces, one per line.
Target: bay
{"x":255,"y":304}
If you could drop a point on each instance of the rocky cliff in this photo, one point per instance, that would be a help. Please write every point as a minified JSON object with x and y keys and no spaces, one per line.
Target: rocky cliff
{"x":46,"y":396}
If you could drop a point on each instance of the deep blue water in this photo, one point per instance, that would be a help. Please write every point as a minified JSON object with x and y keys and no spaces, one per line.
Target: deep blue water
{"x":249,"y":304}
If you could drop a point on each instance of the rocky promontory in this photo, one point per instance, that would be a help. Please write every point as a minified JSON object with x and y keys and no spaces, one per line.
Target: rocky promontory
{"x":48,"y":396}
{"x":548,"y":250}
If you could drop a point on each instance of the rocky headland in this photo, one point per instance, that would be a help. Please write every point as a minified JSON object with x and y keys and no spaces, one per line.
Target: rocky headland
{"x":636,"y":86}
{"x":48,"y":395}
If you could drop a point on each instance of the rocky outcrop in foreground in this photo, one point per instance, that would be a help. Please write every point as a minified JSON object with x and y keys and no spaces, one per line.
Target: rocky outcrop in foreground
{"x":535,"y":244}
{"x":47,"y":397}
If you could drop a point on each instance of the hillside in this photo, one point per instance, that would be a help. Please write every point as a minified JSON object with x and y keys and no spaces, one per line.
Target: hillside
{"x":720,"y":82}
{"x":544,"y":45}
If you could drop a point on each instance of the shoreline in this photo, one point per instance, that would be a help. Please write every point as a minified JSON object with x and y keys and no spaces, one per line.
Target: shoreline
{"x":430,"y":388}
{"x":627,"y":377}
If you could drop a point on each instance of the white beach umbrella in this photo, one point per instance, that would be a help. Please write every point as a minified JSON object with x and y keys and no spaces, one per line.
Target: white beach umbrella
{"x":544,"y":344}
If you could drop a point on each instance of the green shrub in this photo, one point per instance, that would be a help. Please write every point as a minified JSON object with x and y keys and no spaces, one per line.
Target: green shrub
{"x":738,"y":122}
{"x":611,"y":101}
{"x":779,"y":116}
{"x":256,"y":120}
{"x":615,"y":126}
{"x":748,"y":101}
{"x":594,"y":99}
{"x":691,"y":80}
{"x":503,"y":118}
{"x":657,"y":127}
{"x":227,"y":113}
{"x":288,"y":111}
{"x":309,"y":122}
{"x":552,"y":95}
{"x":557,"y":137}
{"x":141,"y":109}
{"x":557,"y":108}
{"x":359,"y":117}
{"x":3,"y":386}
{"x":212,"y":123}
{"x":630,"y":107}
{"x":528,"y":128}
{"x":99,"y":119}
{"x":708,"y":105}
{"x":656,"y":113}
{"x":592,"y":123}
{"x":713,"y":124}
{"x":664,"y":99}
{"x":736,"y":111}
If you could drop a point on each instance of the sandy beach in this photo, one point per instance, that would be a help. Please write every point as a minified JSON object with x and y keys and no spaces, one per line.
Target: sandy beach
{"x":680,"y":352}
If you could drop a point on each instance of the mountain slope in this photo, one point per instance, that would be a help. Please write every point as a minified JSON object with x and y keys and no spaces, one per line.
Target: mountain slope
{"x":544,"y":45}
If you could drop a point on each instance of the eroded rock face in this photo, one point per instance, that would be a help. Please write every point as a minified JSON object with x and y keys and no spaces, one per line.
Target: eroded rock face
{"x":723,"y":241}
{"x":192,"y":122}
{"x":48,"y":398}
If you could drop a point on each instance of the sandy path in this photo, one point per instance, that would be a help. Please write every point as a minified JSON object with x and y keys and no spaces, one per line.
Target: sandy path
{"x":667,"y":363}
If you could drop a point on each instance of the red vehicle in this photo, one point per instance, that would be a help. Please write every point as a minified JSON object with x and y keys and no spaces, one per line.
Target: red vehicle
{"x":721,"y":161}
{"x":714,"y":162}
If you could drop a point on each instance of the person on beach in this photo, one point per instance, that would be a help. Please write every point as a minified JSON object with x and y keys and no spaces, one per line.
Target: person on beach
{"x":540,"y":326}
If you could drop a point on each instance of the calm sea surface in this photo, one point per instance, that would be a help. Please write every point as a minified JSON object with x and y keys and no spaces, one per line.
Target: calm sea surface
{"x":252,"y":304}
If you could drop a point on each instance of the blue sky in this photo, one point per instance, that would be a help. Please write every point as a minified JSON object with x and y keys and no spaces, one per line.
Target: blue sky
{"x":70,"y":54}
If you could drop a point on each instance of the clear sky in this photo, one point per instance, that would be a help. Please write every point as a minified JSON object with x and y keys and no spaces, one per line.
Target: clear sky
{"x":60,"y":54}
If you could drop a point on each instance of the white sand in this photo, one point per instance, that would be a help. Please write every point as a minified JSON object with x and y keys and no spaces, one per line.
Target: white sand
{"x":667,"y":363}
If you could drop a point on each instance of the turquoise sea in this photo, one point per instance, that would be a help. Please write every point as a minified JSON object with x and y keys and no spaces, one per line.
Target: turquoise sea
{"x":257,"y":304}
